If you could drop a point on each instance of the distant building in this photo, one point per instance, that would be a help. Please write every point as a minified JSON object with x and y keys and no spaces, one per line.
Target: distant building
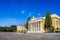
{"x":20,"y":28}
{"x":37,"y":24}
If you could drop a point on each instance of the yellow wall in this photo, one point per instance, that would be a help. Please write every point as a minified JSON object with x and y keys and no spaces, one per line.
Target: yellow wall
{"x":33,"y":27}
{"x":53,"y":23}
{"x":20,"y":28}
{"x":42,"y":25}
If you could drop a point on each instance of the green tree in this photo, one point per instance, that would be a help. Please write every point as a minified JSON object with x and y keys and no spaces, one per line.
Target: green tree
{"x":48,"y":21}
{"x":6,"y":29}
{"x":26,"y":25}
{"x":1,"y":28}
{"x":52,"y":28}
{"x":13,"y":28}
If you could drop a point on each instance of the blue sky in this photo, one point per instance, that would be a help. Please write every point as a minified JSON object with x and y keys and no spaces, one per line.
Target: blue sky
{"x":15,"y":12}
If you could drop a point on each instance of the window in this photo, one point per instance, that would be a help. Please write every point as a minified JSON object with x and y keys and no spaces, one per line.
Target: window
{"x":39,"y":25}
{"x":57,"y":23}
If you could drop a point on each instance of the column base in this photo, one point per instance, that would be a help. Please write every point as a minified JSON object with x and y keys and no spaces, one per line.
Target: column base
{"x":35,"y":31}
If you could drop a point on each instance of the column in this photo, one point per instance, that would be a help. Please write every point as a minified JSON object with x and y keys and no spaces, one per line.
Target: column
{"x":35,"y":26}
{"x":38,"y":26}
{"x":28,"y":26}
{"x":31,"y":26}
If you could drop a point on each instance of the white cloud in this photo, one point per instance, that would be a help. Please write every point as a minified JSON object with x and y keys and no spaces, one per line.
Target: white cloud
{"x":39,"y":14}
{"x":23,"y":11}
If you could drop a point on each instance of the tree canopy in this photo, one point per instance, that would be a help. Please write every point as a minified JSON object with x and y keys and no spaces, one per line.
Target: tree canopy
{"x":26,"y":25}
{"x":12,"y":28}
{"x":48,"y":20}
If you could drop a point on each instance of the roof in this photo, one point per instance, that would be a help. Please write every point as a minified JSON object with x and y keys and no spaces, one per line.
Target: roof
{"x":53,"y":15}
{"x":21,"y":25}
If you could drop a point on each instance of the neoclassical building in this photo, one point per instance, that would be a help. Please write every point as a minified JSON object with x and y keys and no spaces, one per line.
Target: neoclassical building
{"x":37,"y":24}
{"x":21,"y":28}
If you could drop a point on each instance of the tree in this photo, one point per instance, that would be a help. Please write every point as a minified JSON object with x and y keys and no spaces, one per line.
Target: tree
{"x":13,"y":28}
{"x":52,"y":29}
{"x":6,"y":29}
{"x":26,"y":25}
{"x":57,"y":28}
{"x":48,"y":21}
{"x":1,"y":28}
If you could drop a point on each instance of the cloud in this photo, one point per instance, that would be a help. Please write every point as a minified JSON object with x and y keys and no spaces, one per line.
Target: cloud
{"x":23,"y":11}
{"x":39,"y":14}
{"x":10,"y":21}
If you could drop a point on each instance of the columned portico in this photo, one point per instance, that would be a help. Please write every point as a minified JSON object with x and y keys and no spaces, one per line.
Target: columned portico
{"x":37,"y":24}
{"x":34,"y":26}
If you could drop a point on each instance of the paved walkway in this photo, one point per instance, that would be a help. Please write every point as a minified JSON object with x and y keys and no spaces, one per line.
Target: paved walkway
{"x":21,"y":36}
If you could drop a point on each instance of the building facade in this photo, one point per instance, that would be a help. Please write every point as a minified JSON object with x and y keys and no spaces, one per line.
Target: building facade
{"x":21,"y":28}
{"x":37,"y":24}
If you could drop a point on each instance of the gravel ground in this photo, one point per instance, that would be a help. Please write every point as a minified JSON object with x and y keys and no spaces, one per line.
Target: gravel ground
{"x":29,"y":36}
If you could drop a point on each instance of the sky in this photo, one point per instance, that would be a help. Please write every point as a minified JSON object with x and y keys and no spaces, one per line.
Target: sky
{"x":15,"y":12}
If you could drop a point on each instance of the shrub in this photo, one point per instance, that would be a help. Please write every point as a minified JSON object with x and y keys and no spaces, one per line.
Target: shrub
{"x":52,"y":28}
{"x":57,"y":28}
{"x":21,"y":31}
